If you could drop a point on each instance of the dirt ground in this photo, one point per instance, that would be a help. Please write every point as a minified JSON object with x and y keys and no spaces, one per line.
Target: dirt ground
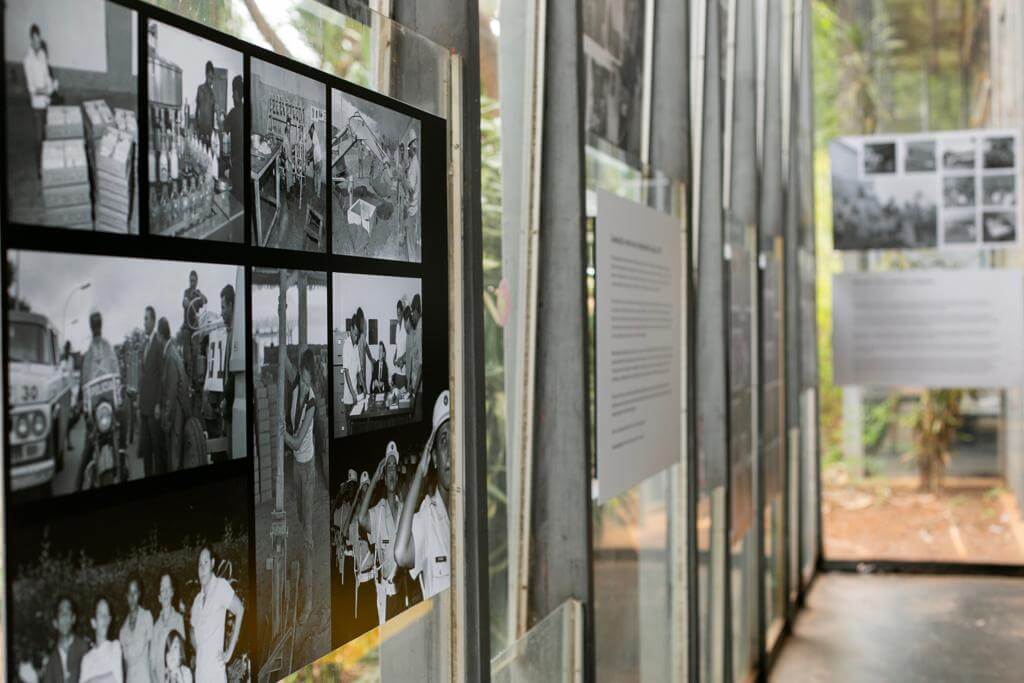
{"x":972,"y":519}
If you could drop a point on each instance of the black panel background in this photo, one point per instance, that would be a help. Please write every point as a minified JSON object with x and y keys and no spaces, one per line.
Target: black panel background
{"x":25,"y":520}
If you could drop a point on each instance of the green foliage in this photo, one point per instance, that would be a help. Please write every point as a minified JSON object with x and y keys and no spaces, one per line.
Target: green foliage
{"x":877,"y":420}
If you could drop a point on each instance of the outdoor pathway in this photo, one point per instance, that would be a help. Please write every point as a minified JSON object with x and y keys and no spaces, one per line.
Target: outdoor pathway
{"x":906,"y":628}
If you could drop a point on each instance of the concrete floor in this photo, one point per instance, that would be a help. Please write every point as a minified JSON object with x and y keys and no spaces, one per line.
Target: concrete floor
{"x":898,"y":628}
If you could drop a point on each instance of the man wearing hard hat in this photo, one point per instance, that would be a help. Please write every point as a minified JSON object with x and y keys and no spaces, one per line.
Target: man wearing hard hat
{"x":424,"y":537}
{"x":381,"y":524}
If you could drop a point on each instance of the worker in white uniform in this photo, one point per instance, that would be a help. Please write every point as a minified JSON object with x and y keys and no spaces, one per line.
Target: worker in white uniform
{"x":39,"y":81}
{"x":381,"y":523}
{"x":424,"y":536}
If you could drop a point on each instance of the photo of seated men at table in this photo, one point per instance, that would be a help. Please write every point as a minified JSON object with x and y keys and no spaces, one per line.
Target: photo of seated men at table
{"x":390,"y":527}
{"x":155,"y":601}
{"x":141,"y":361}
{"x":375,"y":180}
{"x":196,"y":150}
{"x":72,"y":131}
{"x":289,"y":133}
{"x":377,"y":350}
{"x":292,"y":504}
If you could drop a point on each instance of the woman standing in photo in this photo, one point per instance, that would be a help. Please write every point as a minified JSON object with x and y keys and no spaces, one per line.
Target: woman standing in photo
{"x":168,"y":621}
{"x":103,"y":663}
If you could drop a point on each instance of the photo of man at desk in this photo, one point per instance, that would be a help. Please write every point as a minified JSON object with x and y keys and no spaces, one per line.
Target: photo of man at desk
{"x":377,"y":349}
{"x":196,"y":137}
{"x":289,"y":138}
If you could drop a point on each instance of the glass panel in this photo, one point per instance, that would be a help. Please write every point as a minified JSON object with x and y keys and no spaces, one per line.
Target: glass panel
{"x":873,"y":505}
{"x":638,"y":538}
{"x":550,"y":651}
{"x":639,"y":541}
{"x":504,"y":111}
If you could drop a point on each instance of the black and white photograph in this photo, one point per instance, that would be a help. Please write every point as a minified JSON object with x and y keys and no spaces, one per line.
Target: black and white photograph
{"x":160,"y":595}
{"x":919,"y":156}
{"x":960,"y":227}
{"x":292,"y":541}
{"x":288,"y":159}
{"x":999,"y":190}
{"x":196,"y":137}
{"x":613,"y":53}
{"x":121,"y":369}
{"x":72,"y":129}
{"x":375,"y":180}
{"x":958,"y":154}
{"x":958,"y":192}
{"x":889,"y":213}
{"x":999,"y":226}
{"x":879,"y":158}
{"x":390,"y":525}
{"x":999,"y":152}
{"x":377,"y":352}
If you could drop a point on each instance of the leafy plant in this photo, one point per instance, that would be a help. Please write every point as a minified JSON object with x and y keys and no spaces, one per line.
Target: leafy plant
{"x":935,"y":420}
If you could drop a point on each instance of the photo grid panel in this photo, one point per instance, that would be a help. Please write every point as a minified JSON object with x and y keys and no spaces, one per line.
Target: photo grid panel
{"x":288,"y":159}
{"x":196,"y":132}
{"x":290,"y":467}
{"x":163,"y":597}
{"x":613,"y":48}
{"x":121,"y":369}
{"x":999,"y":188}
{"x":959,"y":187}
{"x":137,"y":384}
{"x":72,"y":132}
{"x":375,"y":180}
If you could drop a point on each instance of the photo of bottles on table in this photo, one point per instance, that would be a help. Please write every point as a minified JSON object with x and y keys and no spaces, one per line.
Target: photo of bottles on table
{"x":196,"y":99}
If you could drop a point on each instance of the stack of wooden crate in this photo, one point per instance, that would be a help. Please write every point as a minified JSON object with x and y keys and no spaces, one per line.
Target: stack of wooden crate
{"x":114,"y":155}
{"x":65,"y":170}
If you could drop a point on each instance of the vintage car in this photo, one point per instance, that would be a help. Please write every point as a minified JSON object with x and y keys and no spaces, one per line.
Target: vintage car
{"x":40,"y":401}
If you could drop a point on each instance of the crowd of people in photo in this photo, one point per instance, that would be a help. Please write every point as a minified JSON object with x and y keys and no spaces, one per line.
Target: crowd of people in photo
{"x":175,"y":646}
{"x":392,"y":528}
{"x":861,"y":216}
{"x":369,"y":371}
{"x":168,"y":394}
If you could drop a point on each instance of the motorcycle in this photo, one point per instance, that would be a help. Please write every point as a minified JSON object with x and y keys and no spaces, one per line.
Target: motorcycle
{"x":102,"y":407}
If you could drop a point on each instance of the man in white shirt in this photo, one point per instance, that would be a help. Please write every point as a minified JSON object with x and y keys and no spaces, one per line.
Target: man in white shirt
{"x":398,"y":376}
{"x":424,"y":537}
{"x":208,"y":618}
{"x":38,"y":81}
{"x":350,"y":366}
{"x":381,"y":523}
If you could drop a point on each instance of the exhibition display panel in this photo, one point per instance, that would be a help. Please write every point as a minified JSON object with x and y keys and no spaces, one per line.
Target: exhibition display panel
{"x":227,"y":372}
